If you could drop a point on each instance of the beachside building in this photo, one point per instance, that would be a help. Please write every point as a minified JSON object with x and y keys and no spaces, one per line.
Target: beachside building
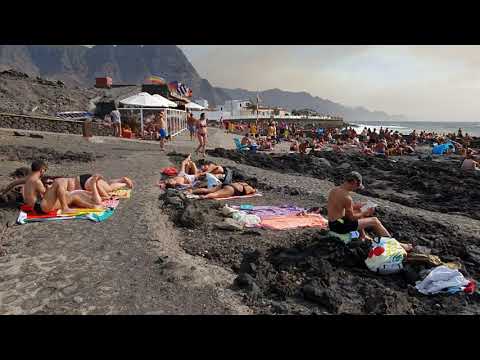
{"x":202,"y":102}
{"x":236,"y":107}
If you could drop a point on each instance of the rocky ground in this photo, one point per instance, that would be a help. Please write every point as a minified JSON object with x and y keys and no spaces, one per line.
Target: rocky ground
{"x":26,"y":95}
{"x":163,"y":254}
{"x":306,"y":271}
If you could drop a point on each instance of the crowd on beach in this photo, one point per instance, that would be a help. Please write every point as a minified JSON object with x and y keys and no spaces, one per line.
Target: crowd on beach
{"x":264,"y":135}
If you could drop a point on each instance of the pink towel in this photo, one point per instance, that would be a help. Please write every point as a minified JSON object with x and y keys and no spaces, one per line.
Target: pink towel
{"x":294,"y":221}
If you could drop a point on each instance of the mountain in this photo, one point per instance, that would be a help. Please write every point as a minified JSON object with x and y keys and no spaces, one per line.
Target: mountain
{"x":303,"y":100}
{"x":77,"y":65}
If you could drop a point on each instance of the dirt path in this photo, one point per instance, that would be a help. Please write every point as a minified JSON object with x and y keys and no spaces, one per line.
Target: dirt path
{"x":130,"y":264}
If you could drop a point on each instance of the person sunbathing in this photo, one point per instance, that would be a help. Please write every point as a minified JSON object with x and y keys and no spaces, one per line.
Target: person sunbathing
{"x":183,"y":178}
{"x":345,"y":216}
{"x":225,"y":190}
{"x":44,"y":200}
{"x":82,"y":182}
{"x":212,"y":168}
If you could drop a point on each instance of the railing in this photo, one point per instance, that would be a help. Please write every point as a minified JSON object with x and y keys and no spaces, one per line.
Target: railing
{"x":176,"y":119}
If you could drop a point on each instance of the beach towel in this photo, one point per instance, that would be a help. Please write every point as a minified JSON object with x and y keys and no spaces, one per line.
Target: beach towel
{"x":266,"y":212}
{"x":28,"y":215}
{"x":240,"y":197}
{"x":294,"y":221}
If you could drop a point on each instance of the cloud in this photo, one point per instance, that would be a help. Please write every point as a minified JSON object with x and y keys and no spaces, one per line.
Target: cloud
{"x":424,"y":82}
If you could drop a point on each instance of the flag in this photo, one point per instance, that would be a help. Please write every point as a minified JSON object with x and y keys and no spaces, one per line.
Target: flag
{"x":173,"y":86}
{"x":156,"y":80}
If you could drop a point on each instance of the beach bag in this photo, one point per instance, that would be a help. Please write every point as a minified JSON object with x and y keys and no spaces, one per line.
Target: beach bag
{"x":386,"y":256}
{"x":170,"y":171}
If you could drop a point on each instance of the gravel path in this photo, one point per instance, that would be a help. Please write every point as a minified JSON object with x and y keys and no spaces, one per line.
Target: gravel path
{"x":130,"y":264}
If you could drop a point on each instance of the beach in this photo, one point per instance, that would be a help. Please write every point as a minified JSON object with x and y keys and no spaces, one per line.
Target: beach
{"x":153,"y":258}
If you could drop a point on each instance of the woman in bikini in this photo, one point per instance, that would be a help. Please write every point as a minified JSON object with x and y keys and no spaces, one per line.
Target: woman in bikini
{"x":225,"y":190}
{"x":202,"y":134}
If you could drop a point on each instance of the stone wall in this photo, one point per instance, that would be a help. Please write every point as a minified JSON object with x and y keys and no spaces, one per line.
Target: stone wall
{"x":39,"y":123}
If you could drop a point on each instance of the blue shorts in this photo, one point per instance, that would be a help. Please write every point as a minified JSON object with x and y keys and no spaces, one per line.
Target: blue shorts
{"x":163,"y":133}
{"x":191,"y":129}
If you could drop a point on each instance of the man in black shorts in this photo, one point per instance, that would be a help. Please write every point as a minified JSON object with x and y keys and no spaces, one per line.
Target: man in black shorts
{"x":345,"y":216}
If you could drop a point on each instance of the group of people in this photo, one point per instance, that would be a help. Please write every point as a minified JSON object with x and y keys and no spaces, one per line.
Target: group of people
{"x":45,"y":194}
{"x":208,"y":181}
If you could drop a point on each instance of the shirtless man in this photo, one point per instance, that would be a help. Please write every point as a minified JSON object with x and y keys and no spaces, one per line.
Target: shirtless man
{"x":82,"y":182}
{"x":246,"y":140}
{"x":44,"y":200}
{"x":345,"y":216}
{"x":162,"y":130}
{"x":469,"y":164}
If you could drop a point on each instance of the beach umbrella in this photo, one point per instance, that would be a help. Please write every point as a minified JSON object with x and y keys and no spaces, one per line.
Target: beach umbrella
{"x":145,"y":100}
{"x":194,"y":106}
{"x":168,"y":103}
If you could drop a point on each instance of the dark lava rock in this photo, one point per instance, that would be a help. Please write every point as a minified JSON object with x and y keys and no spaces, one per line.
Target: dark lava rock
{"x":191,"y":217}
{"x":323,"y":297}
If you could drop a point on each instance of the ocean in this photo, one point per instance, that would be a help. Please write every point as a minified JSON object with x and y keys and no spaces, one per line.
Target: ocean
{"x":405,"y":127}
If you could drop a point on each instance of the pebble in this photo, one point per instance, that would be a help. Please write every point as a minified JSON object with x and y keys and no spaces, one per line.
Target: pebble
{"x":78,"y":299}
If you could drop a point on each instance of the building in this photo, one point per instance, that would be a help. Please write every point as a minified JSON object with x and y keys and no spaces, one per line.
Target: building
{"x":236,"y":107}
{"x":202,"y":102}
{"x":103,"y":82}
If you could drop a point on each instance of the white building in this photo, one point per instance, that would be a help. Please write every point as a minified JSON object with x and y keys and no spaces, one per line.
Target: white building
{"x":202,"y":102}
{"x":236,"y":107}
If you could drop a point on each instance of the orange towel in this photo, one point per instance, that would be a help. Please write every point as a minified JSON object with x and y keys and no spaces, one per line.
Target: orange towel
{"x":294,"y":221}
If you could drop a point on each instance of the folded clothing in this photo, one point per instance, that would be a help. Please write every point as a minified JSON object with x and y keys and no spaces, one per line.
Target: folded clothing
{"x":294,"y":221}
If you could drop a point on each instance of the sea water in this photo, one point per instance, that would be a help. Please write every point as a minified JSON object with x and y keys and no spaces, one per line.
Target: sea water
{"x":406,"y":127}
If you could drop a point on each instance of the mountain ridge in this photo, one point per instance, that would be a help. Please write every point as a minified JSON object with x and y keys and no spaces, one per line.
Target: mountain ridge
{"x":78,"y":65}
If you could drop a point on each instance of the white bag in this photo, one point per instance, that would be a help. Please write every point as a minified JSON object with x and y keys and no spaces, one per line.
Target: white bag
{"x":386,"y":256}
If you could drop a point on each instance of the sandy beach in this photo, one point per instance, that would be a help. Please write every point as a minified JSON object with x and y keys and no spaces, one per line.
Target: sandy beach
{"x":144,"y":261}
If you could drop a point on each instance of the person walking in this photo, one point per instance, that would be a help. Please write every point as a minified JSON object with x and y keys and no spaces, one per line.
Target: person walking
{"x":201,"y":134}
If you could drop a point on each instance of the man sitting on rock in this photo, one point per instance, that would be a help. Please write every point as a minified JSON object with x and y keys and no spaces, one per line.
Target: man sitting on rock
{"x":345,"y":216}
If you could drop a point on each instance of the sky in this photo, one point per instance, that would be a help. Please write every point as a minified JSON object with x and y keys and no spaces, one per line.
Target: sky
{"x":431,"y":83}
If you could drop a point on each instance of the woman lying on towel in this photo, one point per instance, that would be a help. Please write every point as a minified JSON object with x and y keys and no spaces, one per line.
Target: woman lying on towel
{"x":187,"y":176}
{"x":225,"y":190}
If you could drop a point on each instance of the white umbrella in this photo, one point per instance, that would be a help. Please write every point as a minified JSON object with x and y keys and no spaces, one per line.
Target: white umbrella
{"x":194,"y":106}
{"x":144,"y":99}
{"x":165,"y":101}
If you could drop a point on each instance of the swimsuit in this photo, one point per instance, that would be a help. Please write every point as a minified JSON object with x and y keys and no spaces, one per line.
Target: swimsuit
{"x":190,"y":178}
{"x":343,"y":225}
{"x":163,"y":133}
{"x":38,"y":208}
{"x":83,"y":180}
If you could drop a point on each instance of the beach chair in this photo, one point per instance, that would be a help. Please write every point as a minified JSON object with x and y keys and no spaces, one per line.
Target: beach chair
{"x":239,"y":146}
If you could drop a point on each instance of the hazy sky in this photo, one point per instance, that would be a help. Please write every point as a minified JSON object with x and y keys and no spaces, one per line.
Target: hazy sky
{"x":422,"y":82}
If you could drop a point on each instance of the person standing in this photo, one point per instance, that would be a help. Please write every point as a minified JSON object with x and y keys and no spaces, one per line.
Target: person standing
{"x":191,"y":125}
{"x":202,"y":134}
{"x":117,"y":122}
{"x":162,"y":130}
